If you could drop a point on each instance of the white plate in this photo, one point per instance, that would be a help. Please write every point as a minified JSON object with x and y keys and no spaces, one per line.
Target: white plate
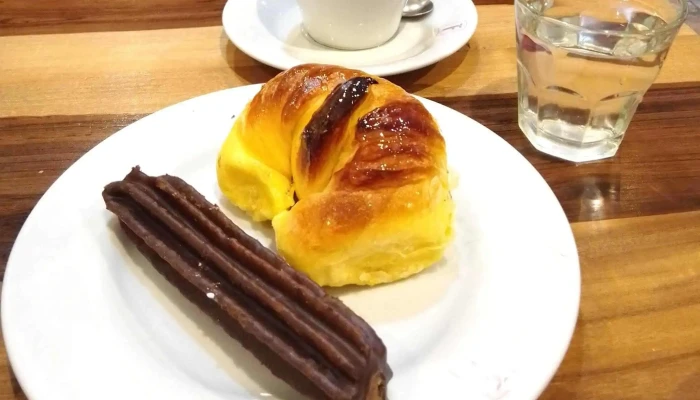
{"x":85,"y":317}
{"x":270,"y":32}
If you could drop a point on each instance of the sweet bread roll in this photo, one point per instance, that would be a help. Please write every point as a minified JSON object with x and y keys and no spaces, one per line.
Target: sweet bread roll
{"x":350,"y":169}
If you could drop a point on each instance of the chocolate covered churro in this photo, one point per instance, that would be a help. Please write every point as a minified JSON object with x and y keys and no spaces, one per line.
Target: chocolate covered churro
{"x":303,"y":335}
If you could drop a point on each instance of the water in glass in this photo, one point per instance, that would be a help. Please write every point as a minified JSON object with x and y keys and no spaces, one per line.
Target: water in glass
{"x":583,"y":67}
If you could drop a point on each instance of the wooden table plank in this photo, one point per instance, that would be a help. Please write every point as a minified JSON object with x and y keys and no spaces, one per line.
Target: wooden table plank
{"x":656,"y":170}
{"x":637,"y":334}
{"x":22,"y":17}
{"x":653,"y":173}
{"x":34,"y":151}
{"x":141,"y":72}
{"x":9,"y":387}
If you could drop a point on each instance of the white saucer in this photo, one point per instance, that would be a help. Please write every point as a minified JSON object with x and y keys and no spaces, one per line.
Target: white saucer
{"x":270,"y":31}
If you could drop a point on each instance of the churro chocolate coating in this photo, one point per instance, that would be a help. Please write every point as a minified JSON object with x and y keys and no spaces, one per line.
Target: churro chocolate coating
{"x":303,"y":335}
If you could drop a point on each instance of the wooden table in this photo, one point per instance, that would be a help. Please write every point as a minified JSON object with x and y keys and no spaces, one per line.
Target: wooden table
{"x":73,"y":72}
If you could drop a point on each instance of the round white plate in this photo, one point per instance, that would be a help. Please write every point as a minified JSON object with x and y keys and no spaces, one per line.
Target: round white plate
{"x":86,"y":317}
{"x":270,"y":31}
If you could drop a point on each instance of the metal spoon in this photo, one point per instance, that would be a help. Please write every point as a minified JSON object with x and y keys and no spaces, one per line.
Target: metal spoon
{"x":417,"y":8}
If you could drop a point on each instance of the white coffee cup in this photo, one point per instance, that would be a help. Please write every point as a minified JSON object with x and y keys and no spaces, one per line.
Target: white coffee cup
{"x":351,"y":24}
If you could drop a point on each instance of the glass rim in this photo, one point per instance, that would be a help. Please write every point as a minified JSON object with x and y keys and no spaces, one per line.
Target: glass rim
{"x":677,"y":21}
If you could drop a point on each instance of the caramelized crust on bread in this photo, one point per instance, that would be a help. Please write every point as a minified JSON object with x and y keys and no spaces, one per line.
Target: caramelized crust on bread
{"x":351,"y":170}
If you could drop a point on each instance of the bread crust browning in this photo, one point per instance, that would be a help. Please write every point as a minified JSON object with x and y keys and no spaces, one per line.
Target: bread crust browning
{"x":373,"y":195}
{"x":397,"y":143}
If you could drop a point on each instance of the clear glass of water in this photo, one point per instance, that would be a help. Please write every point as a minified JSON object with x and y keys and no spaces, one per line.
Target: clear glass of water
{"x":583,"y":67}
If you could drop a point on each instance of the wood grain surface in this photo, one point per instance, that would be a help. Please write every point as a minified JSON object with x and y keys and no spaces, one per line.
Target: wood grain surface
{"x":74,"y":72}
{"x":22,"y":17}
{"x":144,"y":71}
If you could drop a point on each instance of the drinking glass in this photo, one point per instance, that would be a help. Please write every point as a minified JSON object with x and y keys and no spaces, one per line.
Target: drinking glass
{"x":583,"y":67}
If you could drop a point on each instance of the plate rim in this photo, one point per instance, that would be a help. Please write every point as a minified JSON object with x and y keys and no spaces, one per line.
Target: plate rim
{"x":21,"y":372}
{"x":389,"y":69}
{"x":570,"y":242}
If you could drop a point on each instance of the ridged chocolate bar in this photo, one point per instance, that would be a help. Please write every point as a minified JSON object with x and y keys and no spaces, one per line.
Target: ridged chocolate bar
{"x":303,"y":335}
